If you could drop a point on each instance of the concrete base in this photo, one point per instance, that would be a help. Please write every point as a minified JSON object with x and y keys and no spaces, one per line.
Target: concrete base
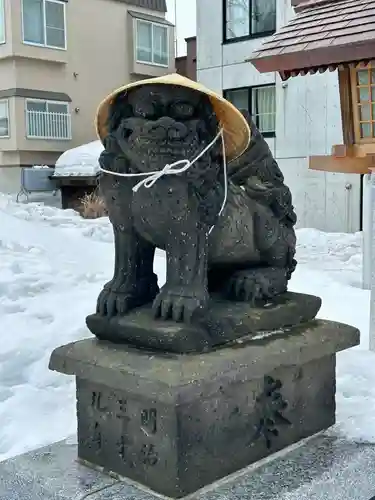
{"x":323,"y":468}
{"x":176,"y":423}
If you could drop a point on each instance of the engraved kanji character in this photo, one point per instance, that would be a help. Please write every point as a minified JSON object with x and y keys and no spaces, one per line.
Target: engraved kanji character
{"x":149,"y":454}
{"x":122,"y":445}
{"x":97,"y":402}
{"x":149,"y":421}
{"x":97,"y":436}
{"x":121,"y":408}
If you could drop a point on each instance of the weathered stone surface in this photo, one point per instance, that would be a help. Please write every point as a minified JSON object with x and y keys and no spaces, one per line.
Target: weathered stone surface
{"x":179,"y":422}
{"x":224,"y":321}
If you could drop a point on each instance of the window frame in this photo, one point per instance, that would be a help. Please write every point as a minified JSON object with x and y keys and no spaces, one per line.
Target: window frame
{"x":45,"y":45}
{"x":152,"y":23}
{"x":43,"y":138}
{"x":2,"y":22}
{"x":356,"y":105}
{"x":251,"y":35}
{"x":250,"y":90}
{"x":8,"y":117}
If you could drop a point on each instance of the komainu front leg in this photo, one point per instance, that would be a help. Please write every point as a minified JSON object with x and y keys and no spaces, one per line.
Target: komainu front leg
{"x":257,"y":284}
{"x":185,"y":290}
{"x":134,"y":282}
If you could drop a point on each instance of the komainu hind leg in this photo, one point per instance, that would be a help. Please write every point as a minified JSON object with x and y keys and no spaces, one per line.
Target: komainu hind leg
{"x":276,"y":243}
{"x":255,"y":284}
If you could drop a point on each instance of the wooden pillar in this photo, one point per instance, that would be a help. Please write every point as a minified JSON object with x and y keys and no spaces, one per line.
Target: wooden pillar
{"x":346,"y":106}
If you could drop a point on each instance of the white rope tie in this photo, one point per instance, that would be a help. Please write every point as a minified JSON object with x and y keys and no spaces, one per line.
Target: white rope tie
{"x":174,"y":169}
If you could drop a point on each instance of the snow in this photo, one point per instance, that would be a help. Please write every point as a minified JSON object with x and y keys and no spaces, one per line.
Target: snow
{"x":53,"y":264}
{"x":80,"y":161}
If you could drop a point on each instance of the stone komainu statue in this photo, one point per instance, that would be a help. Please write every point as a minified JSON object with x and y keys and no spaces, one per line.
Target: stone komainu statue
{"x":248,"y":255}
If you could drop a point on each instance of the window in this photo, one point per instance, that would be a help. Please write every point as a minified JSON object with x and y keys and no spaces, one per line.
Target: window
{"x":4,"y":118}
{"x":248,"y":18}
{"x":48,"y":120}
{"x":363,"y":94}
{"x":261,"y":104}
{"x":44,"y":23}
{"x":152,"y":43}
{"x":2,"y":21}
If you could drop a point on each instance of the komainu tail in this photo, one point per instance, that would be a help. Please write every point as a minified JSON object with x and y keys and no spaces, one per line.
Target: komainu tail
{"x":259,"y":174}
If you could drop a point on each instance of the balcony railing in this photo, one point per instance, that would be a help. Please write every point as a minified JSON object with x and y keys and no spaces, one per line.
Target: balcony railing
{"x":48,"y":125}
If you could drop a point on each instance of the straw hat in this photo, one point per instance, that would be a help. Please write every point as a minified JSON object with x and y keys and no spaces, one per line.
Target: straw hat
{"x":237,"y":132}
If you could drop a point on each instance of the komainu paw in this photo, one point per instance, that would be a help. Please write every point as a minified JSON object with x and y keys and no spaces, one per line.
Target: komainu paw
{"x":256,"y":284}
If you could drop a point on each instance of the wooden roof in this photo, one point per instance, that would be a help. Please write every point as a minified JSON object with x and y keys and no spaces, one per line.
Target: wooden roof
{"x":324,"y":34}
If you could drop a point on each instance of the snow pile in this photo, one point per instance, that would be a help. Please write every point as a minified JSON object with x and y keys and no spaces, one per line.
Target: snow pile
{"x":52,"y":267}
{"x":80,"y":161}
{"x":69,"y":220}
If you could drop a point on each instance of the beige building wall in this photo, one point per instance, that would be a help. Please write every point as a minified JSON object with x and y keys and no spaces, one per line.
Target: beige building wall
{"x":98,"y":59}
{"x":6,"y":48}
{"x":103,"y":59}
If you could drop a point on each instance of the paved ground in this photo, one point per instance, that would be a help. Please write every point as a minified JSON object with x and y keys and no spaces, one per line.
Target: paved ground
{"x":322,"y":468}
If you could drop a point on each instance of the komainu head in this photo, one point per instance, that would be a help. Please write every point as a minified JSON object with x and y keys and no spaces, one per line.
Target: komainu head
{"x":155,"y":125}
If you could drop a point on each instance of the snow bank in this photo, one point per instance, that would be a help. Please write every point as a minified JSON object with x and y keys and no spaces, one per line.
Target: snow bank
{"x":80,"y":161}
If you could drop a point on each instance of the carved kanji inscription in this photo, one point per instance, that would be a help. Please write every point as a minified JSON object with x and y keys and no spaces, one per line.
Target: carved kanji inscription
{"x":97,"y":402}
{"x":270,"y":406}
{"x":149,"y":421}
{"x":149,"y":455}
{"x":97,"y":439}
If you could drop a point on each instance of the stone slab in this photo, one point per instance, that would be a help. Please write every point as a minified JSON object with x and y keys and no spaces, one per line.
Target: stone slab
{"x":182,"y":378}
{"x":179,"y":422}
{"x":324,"y":468}
{"x":223,"y":322}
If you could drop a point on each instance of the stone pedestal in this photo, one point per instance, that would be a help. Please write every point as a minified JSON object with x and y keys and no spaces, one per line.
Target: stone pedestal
{"x":176,"y":423}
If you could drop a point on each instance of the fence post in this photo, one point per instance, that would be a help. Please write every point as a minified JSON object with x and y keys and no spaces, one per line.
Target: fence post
{"x":371,"y":270}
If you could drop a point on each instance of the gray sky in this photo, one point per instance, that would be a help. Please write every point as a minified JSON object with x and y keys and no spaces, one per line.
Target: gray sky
{"x":186,"y":22}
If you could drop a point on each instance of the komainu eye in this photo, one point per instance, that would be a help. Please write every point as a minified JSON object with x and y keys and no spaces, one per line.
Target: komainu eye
{"x":144,"y":109}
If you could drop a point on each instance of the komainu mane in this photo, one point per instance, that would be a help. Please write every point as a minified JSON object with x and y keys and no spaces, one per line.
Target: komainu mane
{"x":248,"y":256}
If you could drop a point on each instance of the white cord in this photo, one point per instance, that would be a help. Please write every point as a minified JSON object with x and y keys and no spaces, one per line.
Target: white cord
{"x":172,"y":169}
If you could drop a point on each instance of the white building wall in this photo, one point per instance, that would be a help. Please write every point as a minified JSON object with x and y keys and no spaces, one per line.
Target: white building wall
{"x":308,"y":120}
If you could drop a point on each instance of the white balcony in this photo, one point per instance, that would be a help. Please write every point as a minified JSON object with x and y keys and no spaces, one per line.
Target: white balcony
{"x":48,"y":125}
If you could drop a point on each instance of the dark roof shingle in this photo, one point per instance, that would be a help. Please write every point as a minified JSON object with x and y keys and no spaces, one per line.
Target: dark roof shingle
{"x":323,"y":33}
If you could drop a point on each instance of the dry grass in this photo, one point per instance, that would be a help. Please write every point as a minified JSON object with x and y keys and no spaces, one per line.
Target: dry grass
{"x":93,"y":206}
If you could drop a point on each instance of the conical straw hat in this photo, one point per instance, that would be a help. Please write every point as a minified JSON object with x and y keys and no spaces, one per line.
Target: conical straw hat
{"x":237,"y":132}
